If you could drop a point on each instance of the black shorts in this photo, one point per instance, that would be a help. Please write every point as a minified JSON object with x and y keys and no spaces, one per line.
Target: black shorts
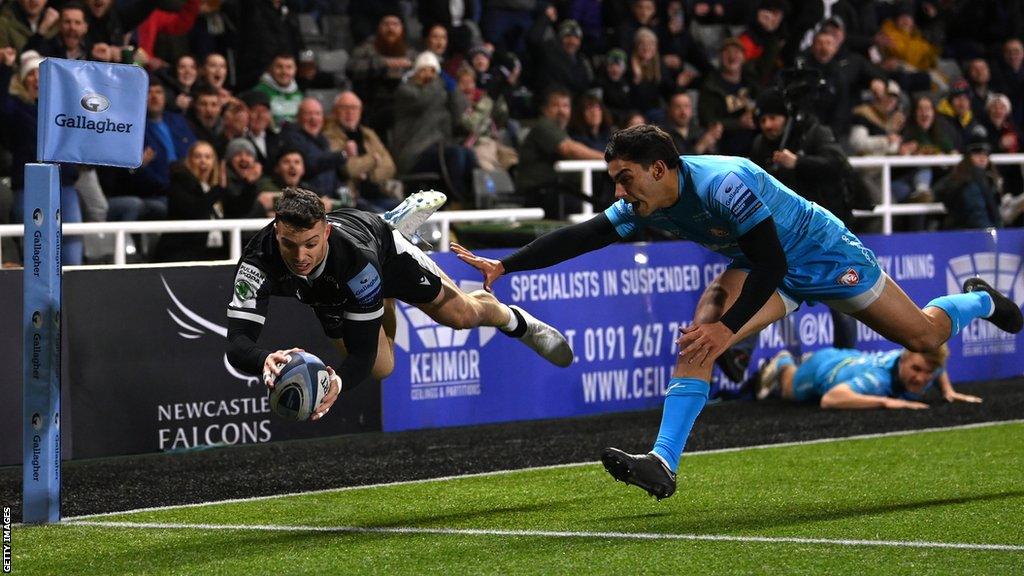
{"x":410,"y":275}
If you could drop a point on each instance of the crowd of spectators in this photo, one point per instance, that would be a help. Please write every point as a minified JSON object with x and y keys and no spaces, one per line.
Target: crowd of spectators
{"x":361,"y":101}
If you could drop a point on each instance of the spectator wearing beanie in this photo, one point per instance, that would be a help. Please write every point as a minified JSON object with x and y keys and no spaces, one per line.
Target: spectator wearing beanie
{"x":971,"y":191}
{"x":425,"y":116}
{"x":557,"y":57}
{"x":243,"y":174}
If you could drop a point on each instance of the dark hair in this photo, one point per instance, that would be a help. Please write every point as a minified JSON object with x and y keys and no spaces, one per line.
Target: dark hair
{"x":205,"y":90}
{"x":286,"y":151}
{"x":644,"y":144}
{"x":300,"y":208}
{"x":555,"y":91}
{"x":577,"y":124}
{"x":74,"y":5}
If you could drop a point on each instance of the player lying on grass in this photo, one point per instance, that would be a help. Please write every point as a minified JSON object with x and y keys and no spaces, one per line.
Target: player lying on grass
{"x":849,"y":379}
{"x":348,"y":266}
{"x":784,"y":250}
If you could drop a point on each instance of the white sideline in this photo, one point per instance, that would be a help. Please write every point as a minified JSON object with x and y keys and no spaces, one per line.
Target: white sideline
{"x":549,"y":467}
{"x":556,"y":534}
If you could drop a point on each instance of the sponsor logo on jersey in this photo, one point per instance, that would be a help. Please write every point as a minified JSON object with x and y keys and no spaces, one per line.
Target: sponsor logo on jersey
{"x":248,"y":281}
{"x":849,"y":278}
{"x":366,"y":285}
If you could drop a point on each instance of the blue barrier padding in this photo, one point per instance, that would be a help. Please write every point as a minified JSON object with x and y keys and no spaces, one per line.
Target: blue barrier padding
{"x":41,"y":356}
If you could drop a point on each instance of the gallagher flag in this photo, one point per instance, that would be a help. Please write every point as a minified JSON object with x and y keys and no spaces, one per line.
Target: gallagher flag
{"x":91,"y":112}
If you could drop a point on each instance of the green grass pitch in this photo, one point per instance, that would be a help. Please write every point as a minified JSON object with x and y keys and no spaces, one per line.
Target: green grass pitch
{"x":939,"y":502}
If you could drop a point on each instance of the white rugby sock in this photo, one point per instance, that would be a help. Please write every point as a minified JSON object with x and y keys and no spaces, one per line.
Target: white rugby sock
{"x":513,"y":322}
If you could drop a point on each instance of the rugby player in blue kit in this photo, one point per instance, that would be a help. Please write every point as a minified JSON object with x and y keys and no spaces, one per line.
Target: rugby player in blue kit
{"x":784,"y":250}
{"x":844,"y":379}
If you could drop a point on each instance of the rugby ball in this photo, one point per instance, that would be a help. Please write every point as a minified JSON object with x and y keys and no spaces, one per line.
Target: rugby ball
{"x":301,"y":386}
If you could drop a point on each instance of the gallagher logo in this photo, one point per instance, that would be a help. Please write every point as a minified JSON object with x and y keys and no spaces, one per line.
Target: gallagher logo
{"x":95,"y":103}
{"x":443,"y":362}
{"x":1004,"y":272}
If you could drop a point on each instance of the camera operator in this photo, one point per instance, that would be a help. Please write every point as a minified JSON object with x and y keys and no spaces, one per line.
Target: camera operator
{"x":801,"y":152}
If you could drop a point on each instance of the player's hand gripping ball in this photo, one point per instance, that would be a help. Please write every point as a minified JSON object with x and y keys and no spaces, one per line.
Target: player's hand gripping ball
{"x":301,"y":386}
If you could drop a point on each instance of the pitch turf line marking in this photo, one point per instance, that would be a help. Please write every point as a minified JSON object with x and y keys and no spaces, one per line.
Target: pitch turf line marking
{"x":549,"y":467}
{"x":555,"y":534}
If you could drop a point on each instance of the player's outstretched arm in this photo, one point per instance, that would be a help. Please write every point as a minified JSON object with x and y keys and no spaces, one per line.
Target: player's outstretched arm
{"x":951,"y":395}
{"x":548,"y":250}
{"x":842,"y":397}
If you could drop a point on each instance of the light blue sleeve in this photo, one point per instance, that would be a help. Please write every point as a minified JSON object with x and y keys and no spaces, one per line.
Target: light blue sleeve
{"x":868,"y":386}
{"x":734,"y":201}
{"x":622,"y":217}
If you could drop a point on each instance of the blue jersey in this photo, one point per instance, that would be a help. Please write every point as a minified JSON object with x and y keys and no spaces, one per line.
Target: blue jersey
{"x":867,"y":373}
{"x":722,"y":197}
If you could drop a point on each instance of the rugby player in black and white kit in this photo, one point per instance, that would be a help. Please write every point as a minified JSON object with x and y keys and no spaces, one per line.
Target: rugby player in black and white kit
{"x":348,"y":266}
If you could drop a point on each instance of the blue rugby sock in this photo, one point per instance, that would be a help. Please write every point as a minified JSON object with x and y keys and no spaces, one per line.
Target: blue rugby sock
{"x":962,"y":308}
{"x":686,"y":398}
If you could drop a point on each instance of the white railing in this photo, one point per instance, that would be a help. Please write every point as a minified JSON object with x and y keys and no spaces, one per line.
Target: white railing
{"x":234,"y":228}
{"x":886,"y":209}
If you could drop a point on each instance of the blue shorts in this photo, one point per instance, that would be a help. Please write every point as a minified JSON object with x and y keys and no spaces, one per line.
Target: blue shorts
{"x":813,"y":373}
{"x":843,"y":275}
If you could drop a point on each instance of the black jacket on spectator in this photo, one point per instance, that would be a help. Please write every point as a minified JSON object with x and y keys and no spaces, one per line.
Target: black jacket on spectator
{"x":820,"y":164}
{"x":551,"y":65}
{"x":720,"y":101}
{"x":846,"y":74}
{"x":322,"y":164}
{"x":971,"y":196}
{"x":55,"y":47}
{"x":186,"y":200}
{"x":1006,"y":81}
{"x":211,"y":135}
{"x":686,"y":47}
{"x":120,"y":19}
{"x":272,"y":141}
{"x":646,"y":96}
{"x":263,"y":32}
{"x":860,"y":20}
{"x":615,"y":94}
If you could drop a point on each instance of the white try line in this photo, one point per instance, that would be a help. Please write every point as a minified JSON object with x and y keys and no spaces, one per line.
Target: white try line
{"x":552,"y":534}
{"x":550,"y":467}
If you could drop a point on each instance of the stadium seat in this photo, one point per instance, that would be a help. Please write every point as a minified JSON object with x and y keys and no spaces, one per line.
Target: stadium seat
{"x":337,"y":32}
{"x":310,"y":32}
{"x":332,"y":61}
{"x":494,"y":189}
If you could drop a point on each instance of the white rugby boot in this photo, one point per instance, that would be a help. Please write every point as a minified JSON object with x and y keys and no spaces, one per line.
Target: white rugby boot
{"x":545,"y":340}
{"x":408,"y":216}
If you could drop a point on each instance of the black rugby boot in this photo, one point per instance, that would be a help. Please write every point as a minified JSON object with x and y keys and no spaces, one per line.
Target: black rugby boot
{"x":642,"y":470}
{"x":1007,"y":315}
